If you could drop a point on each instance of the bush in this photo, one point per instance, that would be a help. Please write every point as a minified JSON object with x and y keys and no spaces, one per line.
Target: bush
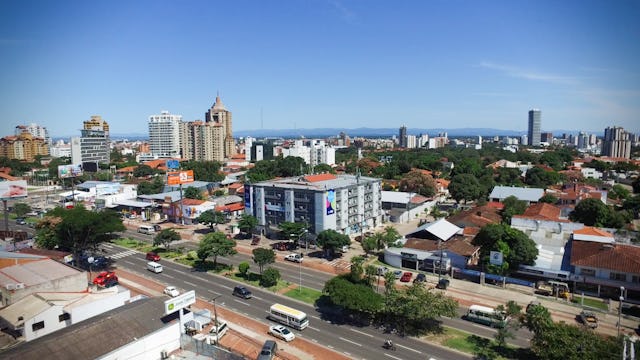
{"x":192,"y":255}
{"x":269,"y":277}
{"x":243,"y":267}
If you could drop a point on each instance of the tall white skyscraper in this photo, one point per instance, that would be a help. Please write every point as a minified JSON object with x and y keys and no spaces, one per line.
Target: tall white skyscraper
{"x":164,"y":135}
{"x":616,"y":143}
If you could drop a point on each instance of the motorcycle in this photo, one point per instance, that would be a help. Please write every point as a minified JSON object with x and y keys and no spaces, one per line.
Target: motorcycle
{"x":389,"y":345}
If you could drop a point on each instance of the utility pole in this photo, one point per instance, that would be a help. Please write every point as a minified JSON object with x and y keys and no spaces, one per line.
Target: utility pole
{"x":215,"y":317}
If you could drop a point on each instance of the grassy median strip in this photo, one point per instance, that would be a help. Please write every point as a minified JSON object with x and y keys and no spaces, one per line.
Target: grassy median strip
{"x":304,"y":294}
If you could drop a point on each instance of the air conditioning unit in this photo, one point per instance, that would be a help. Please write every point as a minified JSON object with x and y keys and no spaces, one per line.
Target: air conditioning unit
{"x":10,"y":286}
{"x":20,"y":286}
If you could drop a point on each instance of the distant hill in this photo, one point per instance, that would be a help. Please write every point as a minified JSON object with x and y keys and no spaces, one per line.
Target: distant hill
{"x":382,"y":132}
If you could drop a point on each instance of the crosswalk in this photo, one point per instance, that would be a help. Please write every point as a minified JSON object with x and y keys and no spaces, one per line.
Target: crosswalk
{"x":340,"y":264}
{"x":123,"y":254}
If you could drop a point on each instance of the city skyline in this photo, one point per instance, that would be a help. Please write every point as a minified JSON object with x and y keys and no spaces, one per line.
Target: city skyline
{"x":329,"y":64}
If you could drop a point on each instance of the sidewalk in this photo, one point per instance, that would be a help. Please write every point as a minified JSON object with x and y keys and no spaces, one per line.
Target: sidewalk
{"x":246,"y":336}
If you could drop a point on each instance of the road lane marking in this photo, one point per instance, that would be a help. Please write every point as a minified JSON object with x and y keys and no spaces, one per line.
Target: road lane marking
{"x":242,"y":302}
{"x":315,"y":317}
{"x":190,"y":283}
{"x":312,"y":328}
{"x":349,"y":341}
{"x":408,"y":348}
{"x":391,"y":356}
{"x":259,"y":298}
{"x":360,"y":332}
{"x":129,"y":262}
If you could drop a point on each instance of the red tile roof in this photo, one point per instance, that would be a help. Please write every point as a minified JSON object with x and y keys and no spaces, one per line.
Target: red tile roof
{"x":458,"y":244}
{"x":476,"y":217}
{"x":319,"y":177}
{"x":616,"y":257}
{"x":589,"y":230}
{"x":541,"y":211}
{"x":236,"y":185}
{"x":230,"y":207}
{"x":192,"y":201}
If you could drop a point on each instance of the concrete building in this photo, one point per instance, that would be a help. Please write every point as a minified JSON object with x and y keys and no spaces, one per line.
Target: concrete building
{"x":35,"y":130}
{"x":411,"y":141}
{"x":24,"y":146}
{"x":43,"y":313}
{"x":94,"y":144}
{"x":534,"y":127}
{"x":346,"y":203}
{"x":617,"y":143}
{"x":164,"y":135}
{"x":41,"y":274}
{"x":222,"y":117}
{"x":402,"y":137}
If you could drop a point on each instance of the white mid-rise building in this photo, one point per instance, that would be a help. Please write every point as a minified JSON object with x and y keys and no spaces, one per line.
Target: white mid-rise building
{"x":164,"y":135}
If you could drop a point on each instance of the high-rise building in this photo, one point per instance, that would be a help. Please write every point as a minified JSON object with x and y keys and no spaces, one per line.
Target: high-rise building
{"x":616,"y":143}
{"x":534,"y":127}
{"x":411,"y":141}
{"x":164,"y":135}
{"x":35,"y":130}
{"x":546,"y":137}
{"x":402,"y":137}
{"x":94,"y":142}
{"x":220,"y":116}
{"x":24,"y":146}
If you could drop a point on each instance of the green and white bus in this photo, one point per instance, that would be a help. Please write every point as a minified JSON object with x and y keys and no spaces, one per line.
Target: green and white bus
{"x":288,"y":316}
{"x":487,"y":316}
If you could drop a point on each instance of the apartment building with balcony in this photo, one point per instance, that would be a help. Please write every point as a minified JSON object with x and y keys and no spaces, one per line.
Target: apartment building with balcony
{"x":348,"y":204}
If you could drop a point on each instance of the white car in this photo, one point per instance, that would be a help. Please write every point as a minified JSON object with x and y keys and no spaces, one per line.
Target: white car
{"x":281,"y":332}
{"x":294,"y":257}
{"x":171,"y":291}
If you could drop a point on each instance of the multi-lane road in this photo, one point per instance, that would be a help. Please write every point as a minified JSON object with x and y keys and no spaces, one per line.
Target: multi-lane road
{"x":363,"y":342}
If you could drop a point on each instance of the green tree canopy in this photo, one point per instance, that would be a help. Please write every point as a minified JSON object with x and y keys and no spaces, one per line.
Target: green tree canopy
{"x":416,"y":181}
{"x":166,"y":237}
{"x":143,"y":171}
{"x":270,"y":277}
{"x":549,"y":199}
{"x":247,"y":223}
{"x":356,"y":297}
{"x":204,"y":170}
{"x":330,"y":240}
{"x":20,"y":209}
{"x":215,"y":244}
{"x":150,"y":188}
{"x":508,"y":177}
{"x":212,"y":217}
{"x":516,"y":247}
{"x":591,"y":212}
{"x":292,"y":230}
{"x":512,"y":206}
{"x":263,"y":257}
{"x":78,"y":229}
{"x":465,"y":187}
{"x":323,"y":168}
{"x":192,"y":193}
{"x":540,"y":178}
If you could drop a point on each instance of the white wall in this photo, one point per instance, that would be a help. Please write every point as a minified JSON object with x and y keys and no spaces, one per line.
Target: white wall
{"x":51,"y":323}
{"x":150,"y":347}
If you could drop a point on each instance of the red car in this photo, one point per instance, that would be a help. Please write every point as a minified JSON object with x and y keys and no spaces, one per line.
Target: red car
{"x":151,"y":256}
{"x":406,"y":277}
{"x":106,"y":279}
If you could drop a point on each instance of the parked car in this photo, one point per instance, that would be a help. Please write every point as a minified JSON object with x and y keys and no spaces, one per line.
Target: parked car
{"x":243,"y":292}
{"x":106,"y":279}
{"x":406,"y":277}
{"x":281,"y":332}
{"x":171,"y":291}
{"x":294,"y":257}
{"x":397,"y":274}
{"x":382,"y":270}
{"x":420,"y":278}
{"x":21,"y":221}
{"x":151,"y":256}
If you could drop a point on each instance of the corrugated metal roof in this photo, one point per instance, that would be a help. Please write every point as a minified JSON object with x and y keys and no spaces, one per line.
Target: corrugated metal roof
{"x":35,"y":272}
{"x":526,"y":194}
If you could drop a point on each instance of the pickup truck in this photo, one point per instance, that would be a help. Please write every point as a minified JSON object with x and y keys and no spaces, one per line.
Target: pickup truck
{"x":217,"y":331}
{"x":589,"y":319}
{"x":294,"y":257}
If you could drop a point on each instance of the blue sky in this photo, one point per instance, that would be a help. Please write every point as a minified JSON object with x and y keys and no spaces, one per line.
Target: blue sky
{"x":319,"y":63}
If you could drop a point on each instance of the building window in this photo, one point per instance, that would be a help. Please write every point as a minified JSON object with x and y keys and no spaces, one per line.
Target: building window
{"x":635,"y":279}
{"x":587,"y":272}
{"x":37,"y":326}
{"x":617,"y":276}
{"x":64,"y":316}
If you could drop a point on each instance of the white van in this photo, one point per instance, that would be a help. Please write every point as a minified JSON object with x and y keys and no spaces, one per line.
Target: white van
{"x":146,"y":229}
{"x":154,"y":267}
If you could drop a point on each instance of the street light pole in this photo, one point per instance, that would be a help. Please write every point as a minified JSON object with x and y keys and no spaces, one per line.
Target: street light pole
{"x":300,"y":260}
{"x":215,"y":317}
{"x":620,"y":309}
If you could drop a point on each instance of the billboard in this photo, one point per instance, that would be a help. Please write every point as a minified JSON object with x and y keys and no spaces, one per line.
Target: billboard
{"x":179,"y":177}
{"x":179,"y":302}
{"x":67,"y":171}
{"x":331,"y":202}
{"x":173,"y":164}
{"x":13,"y":189}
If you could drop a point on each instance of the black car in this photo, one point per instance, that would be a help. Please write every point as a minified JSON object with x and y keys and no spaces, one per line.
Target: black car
{"x":420,"y":278}
{"x":20,"y":221}
{"x":443,"y":284}
{"x":243,"y":292}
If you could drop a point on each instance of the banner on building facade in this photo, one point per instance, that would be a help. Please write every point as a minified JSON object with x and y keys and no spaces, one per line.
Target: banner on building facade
{"x":331,"y":202}
{"x":179,"y":177}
